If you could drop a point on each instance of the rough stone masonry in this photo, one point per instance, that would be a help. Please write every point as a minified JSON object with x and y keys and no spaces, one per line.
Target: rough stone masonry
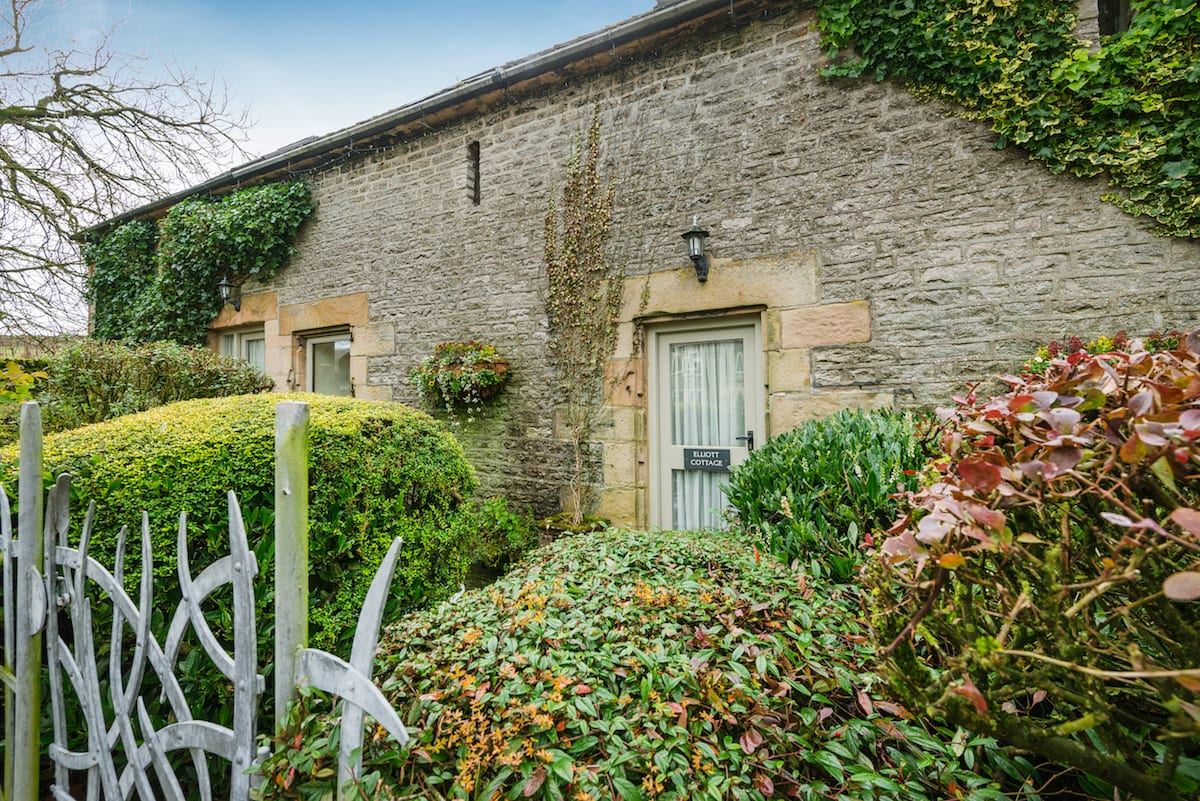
{"x":912,"y":255}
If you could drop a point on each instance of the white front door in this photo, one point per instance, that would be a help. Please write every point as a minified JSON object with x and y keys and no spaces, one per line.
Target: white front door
{"x":706,"y":411}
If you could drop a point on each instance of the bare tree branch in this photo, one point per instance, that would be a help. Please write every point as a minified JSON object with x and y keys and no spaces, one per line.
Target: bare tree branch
{"x":84,"y":135}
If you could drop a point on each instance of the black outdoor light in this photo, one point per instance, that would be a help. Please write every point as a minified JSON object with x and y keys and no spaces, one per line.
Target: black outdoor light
{"x":231,"y":293}
{"x":695,"y":238}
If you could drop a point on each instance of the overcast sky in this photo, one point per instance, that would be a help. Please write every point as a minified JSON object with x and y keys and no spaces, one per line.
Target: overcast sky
{"x":305,"y":67}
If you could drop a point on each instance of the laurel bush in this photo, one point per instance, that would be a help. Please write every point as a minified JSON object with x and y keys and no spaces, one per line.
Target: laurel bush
{"x":816,"y":493}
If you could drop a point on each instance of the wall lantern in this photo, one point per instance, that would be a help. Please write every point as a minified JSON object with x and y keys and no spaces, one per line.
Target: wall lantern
{"x":695,"y":238}
{"x":231,"y":293}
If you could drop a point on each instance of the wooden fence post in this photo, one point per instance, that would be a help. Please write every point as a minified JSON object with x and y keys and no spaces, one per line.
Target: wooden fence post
{"x":26,"y":744}
{"x":291,"y":548}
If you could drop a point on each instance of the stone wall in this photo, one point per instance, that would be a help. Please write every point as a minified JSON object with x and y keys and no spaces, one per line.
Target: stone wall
{"x":955,"y":256}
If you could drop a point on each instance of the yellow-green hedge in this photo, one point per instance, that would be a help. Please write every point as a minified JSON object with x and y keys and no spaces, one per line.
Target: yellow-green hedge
{"x":377,"y":470}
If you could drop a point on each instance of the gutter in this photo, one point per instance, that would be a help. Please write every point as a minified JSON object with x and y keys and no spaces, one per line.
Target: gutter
{"x":663,"y":17}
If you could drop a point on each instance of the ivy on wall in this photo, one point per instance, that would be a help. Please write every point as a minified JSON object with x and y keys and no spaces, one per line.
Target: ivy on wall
{"x":153,"y":281}
{"x":1129,"y":110}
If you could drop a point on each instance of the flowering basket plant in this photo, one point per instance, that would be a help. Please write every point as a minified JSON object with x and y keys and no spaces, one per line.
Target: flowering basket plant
{"x":461,"y":375}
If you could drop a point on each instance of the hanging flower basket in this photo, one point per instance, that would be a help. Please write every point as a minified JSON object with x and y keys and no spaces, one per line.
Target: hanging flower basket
{"x":461,"y":375}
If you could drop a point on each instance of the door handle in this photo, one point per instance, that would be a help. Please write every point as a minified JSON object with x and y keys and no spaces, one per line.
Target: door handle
{"x":748,"y":439}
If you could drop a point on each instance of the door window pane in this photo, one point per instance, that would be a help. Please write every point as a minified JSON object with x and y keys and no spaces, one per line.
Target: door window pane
{"x":708,"y":393}
{"x":698,"y":499}
{"x":331,"y":367}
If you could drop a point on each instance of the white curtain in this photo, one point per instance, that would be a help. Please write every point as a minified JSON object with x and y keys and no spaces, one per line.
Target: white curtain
{"x":708,"y":409}
{"x":698,"y":499}
{"x":708,"y":404}
{"x":256,"y":353}
{"x":331,"y":368}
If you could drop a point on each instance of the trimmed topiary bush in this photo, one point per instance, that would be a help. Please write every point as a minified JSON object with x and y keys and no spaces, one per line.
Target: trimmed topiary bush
{"x":377,"y":471}
{"x":816,"y":493}
{"x":635,"y":665}
{"x":1044,"y":586}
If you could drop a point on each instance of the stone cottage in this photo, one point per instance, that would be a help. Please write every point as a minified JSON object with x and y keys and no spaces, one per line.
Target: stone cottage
{"x":866,"y":248}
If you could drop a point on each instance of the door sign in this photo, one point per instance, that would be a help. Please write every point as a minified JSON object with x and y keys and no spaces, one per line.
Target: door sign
{"x":716,"y":460}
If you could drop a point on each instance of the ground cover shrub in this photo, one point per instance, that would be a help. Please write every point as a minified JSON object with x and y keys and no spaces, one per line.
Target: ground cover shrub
{"x":816,"y":493}
{"x":1043,"y":586}
{"x":635,"y":665}
{"x":377,"y":471}
{"x":90,"y":380}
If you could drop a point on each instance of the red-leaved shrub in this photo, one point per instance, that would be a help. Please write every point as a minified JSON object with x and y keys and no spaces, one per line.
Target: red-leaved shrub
{"x":1043,"y":585}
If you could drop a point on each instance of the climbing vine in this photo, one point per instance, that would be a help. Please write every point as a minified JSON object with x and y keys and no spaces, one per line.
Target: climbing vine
{"x":583,"y":302}
{"x":1127,"y":110}
{"x":153,"y":281}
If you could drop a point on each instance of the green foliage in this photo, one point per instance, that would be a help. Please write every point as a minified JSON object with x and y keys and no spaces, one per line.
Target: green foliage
{"x":17,"y":383}
{"x":817,"y":492}
{"x":378,"y":470}
{"x":122,"y":284}
{"x":1041,"y":361}
{"x":1043,"y":587}
{"x":583,"y":303}
{"x":461,"y":375}
{"x":636,"y":665}
{"x":91,"y":381}
{"x":151,"y":282}
{"x":1126,"y":111}
{"x":499,"y":533}
{"x":20,"y":380}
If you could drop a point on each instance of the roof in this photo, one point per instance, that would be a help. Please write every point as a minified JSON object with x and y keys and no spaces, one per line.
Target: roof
{"x":307,"y":153}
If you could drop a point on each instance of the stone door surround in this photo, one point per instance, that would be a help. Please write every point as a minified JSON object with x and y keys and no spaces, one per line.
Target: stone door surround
{"x":784,"y":292}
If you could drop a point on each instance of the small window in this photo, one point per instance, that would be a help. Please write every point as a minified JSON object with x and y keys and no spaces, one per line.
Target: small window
{"x":328,"y":360}
{"x":249,"y":344}
{"x":1114,"y":16}
{"x":473,"y":177}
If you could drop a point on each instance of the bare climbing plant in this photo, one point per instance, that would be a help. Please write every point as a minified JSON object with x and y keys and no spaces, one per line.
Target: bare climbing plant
{"x":583,"y":304}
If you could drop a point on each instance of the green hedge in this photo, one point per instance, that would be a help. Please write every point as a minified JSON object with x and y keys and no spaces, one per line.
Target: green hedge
{"x":635,"y":665}
{"x":378,"y":470}
{"x":816,"y":492}
{"x":91,"y":381}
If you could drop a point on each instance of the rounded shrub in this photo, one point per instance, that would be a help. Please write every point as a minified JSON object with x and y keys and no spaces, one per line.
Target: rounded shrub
{"x":377,"y":471}
{"x":1043,"y":587}
{"x":815,"y":493}
{"x":634,"y":665}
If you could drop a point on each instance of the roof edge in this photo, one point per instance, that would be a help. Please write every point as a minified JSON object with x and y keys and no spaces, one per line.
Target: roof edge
{"x":658,"y":19}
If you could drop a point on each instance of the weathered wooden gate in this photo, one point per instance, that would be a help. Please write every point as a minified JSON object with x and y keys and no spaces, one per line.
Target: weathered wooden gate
{"x":44,"y":577}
